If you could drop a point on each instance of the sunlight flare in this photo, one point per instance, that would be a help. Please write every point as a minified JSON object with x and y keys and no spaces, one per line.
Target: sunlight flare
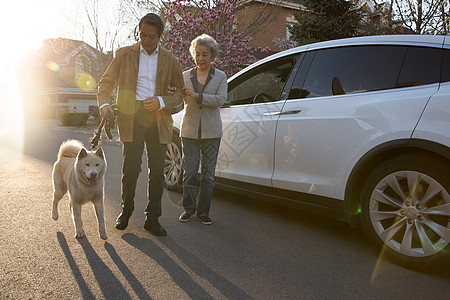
{"x":11,"y":119}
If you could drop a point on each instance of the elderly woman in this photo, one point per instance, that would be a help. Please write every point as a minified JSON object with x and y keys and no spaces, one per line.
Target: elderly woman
{"x":201,"y":129}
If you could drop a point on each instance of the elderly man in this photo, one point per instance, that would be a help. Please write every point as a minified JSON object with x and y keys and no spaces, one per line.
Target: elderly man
{"x":144,"y":72}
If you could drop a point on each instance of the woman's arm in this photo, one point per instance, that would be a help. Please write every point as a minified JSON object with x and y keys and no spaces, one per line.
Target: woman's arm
{"x":217,"y":99}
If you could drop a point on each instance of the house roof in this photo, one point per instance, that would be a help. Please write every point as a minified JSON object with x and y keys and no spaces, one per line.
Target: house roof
{"x":60,"y":51}
{"x":294,"y":4}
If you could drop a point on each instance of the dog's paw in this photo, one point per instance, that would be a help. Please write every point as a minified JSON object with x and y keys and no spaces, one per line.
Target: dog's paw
{"x":54,"y":215}
{"x":80,"y":234}
{"x":102,"y":233}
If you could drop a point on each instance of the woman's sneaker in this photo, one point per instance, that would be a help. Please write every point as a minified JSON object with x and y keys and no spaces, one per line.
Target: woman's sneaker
{"x":184,"y":217}
{"x":205,"y":220}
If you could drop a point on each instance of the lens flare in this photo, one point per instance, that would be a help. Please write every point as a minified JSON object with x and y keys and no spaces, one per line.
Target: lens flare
{"x":11,"y":119}
{"x":85,"y":81}
{"x":52,"y":66}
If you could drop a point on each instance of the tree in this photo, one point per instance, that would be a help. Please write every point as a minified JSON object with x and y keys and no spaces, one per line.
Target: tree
{"x":215,"y":17}
{"x":326,"y":20}
{"x":420,"y":16}
{"x":379,"y":18}
{"x":188,"y":19}
{"x":440,"y":23}
{"x":406,"y":16}
{"x":98,"y":23}
{"x":285,"y":43}
{"x":444,"y":19}
{"x":133,"y":10}
{"x":266,"y":11}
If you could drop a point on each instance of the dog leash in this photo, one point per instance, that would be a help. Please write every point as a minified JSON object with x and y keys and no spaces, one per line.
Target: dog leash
{"x":107,"y":123}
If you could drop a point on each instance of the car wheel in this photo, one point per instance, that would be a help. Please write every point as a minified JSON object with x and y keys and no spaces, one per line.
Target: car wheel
{"x":173,"y":171}
{"x":405,"y":206}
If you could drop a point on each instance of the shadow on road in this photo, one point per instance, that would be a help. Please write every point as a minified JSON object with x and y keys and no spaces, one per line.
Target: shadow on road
{"x":185,"y":269}
{"x":132,"y":280}
{"x":329,"y":227}
{"x":85,"y":291}
{"x":107,"y":281}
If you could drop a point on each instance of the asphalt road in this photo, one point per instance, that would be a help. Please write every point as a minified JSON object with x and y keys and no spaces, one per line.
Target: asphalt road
{"x":253,"y":250}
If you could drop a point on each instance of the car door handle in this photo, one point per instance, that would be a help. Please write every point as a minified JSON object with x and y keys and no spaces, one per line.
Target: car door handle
{"x":279,"y":113}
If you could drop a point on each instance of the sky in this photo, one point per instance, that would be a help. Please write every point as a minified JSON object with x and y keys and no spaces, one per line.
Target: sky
{"x":24,"y":24}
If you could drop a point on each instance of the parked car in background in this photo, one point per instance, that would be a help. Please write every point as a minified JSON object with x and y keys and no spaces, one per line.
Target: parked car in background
{"x":357,"y":129}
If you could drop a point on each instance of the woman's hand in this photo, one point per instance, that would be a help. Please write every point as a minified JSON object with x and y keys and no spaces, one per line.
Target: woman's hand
{"x":188,"y":92}
{"x":171,"y":90}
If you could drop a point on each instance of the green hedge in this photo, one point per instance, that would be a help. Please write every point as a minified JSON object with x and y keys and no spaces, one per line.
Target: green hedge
{"x":73,"y":119}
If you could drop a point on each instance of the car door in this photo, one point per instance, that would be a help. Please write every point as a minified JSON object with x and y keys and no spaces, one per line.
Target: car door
{"x":249,"y":122}
{"x":435,"y":122}
{"x":344,"y":102}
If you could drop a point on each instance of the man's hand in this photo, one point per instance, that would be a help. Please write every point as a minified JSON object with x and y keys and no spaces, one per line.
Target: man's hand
{"x":152,"y":103}
{"x":105,"y":109}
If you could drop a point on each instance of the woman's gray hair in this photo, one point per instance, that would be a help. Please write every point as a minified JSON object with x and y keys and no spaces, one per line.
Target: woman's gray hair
{"x":207,"y":41}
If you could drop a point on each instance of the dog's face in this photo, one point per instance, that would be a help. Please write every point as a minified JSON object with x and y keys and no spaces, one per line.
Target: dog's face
{"x":90,"y":166}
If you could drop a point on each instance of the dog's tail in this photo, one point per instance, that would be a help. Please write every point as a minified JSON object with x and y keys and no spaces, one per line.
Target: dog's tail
{"x":70,"y":149}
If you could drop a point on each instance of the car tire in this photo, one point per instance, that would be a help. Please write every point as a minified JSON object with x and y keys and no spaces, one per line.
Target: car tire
{"x":405,"y":206}
{"x":173,"y":171}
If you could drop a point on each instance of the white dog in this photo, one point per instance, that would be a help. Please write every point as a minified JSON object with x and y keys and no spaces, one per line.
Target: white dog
{"x":80,"y":172}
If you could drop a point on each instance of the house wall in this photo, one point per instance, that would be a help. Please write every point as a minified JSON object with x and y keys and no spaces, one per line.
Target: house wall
{"x":275,"y":28}
{"x":82,"y":105}
{"x":54,"y":82}
{"x":52,"y":105}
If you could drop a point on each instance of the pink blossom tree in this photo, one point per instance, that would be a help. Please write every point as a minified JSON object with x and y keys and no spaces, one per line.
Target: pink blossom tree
{"x":187,"y":19}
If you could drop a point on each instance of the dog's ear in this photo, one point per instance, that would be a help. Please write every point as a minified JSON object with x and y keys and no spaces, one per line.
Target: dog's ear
{"x":82,"y":153}
{"x":99,"y":152}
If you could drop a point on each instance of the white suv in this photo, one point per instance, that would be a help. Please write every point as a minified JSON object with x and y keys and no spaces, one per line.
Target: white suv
{"x":358,"y":129}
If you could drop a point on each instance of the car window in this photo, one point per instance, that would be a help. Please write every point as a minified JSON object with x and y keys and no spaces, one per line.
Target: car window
{"x":446,"y":66}
{"x":263,"y":84}
{"x":421,"y":66}
{"x":349,"y":70}
{"x":297,"y":91}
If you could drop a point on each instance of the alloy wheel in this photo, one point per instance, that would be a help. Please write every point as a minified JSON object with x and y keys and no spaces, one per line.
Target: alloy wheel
{"x":172,"y":166}
{"x":410,"y":212}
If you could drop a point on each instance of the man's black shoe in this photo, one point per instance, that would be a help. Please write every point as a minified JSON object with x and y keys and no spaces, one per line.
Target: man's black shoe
{"x":152,"y":225}
{"x":122,"y":221}
{"x":184,"y":217}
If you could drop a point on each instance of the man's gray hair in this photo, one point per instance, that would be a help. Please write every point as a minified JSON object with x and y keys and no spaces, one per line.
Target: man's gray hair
{"x":207,"y":41}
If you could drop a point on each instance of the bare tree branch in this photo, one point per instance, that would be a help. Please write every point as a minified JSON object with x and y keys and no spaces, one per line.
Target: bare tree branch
{"x":419,"y":15}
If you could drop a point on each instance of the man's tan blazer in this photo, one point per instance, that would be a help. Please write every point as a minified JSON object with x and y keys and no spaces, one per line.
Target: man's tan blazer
{"x":123,"y":71}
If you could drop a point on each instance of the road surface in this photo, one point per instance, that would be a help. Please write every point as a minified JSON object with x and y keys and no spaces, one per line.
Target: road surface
{"x":253,"y":250}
